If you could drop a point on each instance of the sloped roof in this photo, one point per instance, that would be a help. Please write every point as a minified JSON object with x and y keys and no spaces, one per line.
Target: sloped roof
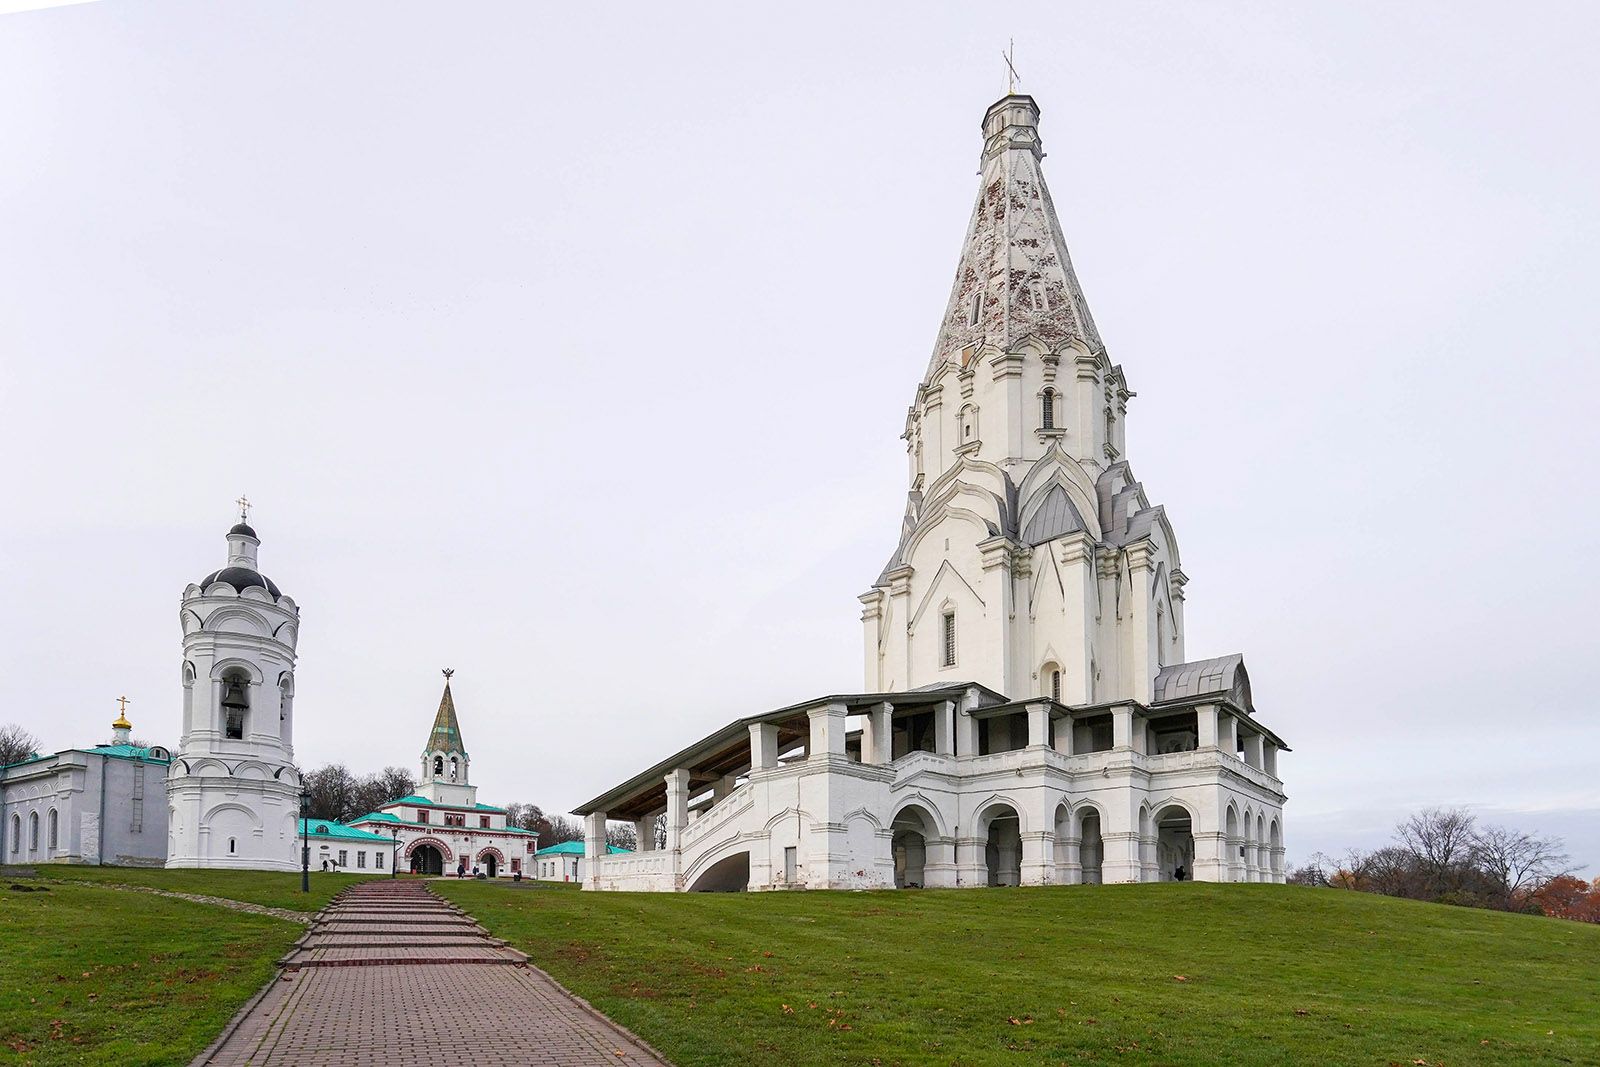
{"x":446,"y":733}
{"x":322,"y":829}
{"x":1223,"y":676}
{"x":1056,"y":517}
{"x":575,"y":848}
{"x":1014,"y":253}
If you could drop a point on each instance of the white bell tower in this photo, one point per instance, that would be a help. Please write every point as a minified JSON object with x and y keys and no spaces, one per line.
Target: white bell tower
{"x":233,"y":791}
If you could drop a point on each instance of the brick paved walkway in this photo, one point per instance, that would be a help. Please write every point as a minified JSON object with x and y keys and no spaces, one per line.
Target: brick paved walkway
{"x":390,"y":973}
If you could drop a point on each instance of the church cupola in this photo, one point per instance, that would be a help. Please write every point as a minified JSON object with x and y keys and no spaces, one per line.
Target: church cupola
{"x":121,"y":729}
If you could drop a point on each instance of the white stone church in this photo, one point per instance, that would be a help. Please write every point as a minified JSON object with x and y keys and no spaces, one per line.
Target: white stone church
{"x":1029,"y":716}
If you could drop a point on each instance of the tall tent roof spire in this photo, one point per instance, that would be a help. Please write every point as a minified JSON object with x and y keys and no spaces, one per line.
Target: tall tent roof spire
{"x":446,"y":733}
{"x":1015,"y":278}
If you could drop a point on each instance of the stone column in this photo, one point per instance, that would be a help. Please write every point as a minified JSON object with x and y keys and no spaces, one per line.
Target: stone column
{"x":1269,"y":758}
{"x":722,"y":787}
{"x":827,"y":731}
{"x":1039,"y":725}
{"x":645,"y":830}
{"x":763,"y":746}
{"x":966,"y":733}
{"x":1071,"y":861}
{"x":1038,"y":857}
{"x":1206,"y":717}
{"x":677,"y":808}
{"x":1228,"y":734}
{"x":1122,"y":726}
{"x":877,"y":741}
{"x":1252,"y":750}
{"x":944,"y":728}
{"x":1210,"y":856}
{"x":1063,"y":738}
{"x":594,"y":847}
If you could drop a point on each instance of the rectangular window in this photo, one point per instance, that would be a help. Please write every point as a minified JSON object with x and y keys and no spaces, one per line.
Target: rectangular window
{"x":377,"y":860}
{"x":344,"y":857}
{"x":361,"y":859}
{"x":947,"y":651}
{"x":483,"y":821}
{"x":1055,"y":686}
{"x":422,"y":816}
{"x":516,"y":866}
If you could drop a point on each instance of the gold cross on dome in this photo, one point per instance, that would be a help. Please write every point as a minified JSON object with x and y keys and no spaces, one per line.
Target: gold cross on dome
{"x":1013,"y":79}
{"x":244,"y":508}
{"x":122,"y":705}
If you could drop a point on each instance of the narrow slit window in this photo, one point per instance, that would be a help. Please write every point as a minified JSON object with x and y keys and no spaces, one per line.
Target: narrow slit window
{"x":975,"y":312}
{"x":1047,"y":409}
{"x":947,"y":649}
{"x":1055,"y":686}
{"x":1039,"y":301}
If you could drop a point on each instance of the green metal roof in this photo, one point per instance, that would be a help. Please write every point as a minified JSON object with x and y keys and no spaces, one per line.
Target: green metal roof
{"x":322,"y":829}
{"x":391,"y":819}
{"x":446,"y":733}
{"x":424,"y":802}
{"x":575,"y":848}
{"x":134,"y":752}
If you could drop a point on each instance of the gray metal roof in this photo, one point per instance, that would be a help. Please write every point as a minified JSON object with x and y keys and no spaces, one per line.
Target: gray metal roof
{"x":1056,"y":517}
{"x":1223,"y":676}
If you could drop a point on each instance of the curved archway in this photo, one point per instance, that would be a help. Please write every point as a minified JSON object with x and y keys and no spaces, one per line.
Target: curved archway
{"x":913,"y":828}
{"x":490,"y":860}
{"x":1091,"y":843}
{"x":1174,"y":830}
{"x":425,"y":859}
{"x":730,"y":874}
{"x":1000,"y":831}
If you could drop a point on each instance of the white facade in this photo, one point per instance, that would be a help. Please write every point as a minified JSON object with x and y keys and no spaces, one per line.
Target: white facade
{"x":1029,"y":714}
{"x":233,"y":790}
{"x":100,"y":805}
{"x":442,"y":829}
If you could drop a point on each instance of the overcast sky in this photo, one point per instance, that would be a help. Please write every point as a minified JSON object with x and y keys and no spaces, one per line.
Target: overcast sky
{"x":569,"y":347}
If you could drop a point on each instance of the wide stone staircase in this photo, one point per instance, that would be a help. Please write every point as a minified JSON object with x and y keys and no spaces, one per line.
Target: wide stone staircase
{"x":394,"y":922}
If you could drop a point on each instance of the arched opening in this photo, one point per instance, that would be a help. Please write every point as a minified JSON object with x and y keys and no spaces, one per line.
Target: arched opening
{"x":911,"y":830}
{"x":490,"y":866}
{"x":427,"y":860}
{"x":16,"y":833}
{"x":33,"y":831}
{"x":438,"y":766}
{"x":1234,"y":846}
{"x":455,"y":768}
{"x":285,"y":705}
{"x":233,"y":846}
{"x":1065,"y":849}
{"x":51,"y":830}
{"x":1174,"y":844}
{"x":1002,"y":849}
{"x":1050,"y":680}
{"x":1275,"y":841}
{"x":235,"y":704}
{"x":1263,"y":865}
{"x":731,"y":874}
{"x":1091,"y":846}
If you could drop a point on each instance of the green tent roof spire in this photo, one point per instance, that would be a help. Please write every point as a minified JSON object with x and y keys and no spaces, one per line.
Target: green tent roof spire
{"x":446,"y":734}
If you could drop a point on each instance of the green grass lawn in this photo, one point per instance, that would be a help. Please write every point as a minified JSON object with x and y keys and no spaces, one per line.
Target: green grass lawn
{"x":270,"y":888}
{"x":92,"y":975}
{"x":1182,"y":973}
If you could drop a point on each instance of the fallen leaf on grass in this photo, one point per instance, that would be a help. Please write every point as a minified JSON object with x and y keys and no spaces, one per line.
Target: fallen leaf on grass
{"x":788,"y":1010}
{"x":1180,"y":978}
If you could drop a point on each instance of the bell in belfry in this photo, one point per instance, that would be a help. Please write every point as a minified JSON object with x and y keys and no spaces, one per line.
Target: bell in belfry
{"x":233,"y":694}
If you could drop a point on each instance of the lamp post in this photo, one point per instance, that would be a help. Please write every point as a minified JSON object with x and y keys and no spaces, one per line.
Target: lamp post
{"x":394,"y":854}
{"x":305,"y":842}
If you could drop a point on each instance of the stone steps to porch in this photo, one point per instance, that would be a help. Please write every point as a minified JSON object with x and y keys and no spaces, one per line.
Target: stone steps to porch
{"x":375,"y":924}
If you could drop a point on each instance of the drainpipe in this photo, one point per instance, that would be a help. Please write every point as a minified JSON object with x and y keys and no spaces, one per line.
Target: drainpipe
{"x":100,"y":827}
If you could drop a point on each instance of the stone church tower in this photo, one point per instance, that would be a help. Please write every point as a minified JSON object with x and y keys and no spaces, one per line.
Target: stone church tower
{"x":1030,"y":559}
{"x":233,"y":791}
{"x":444,"y":760}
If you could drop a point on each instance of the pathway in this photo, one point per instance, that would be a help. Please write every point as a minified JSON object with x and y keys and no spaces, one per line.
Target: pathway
{"x":390,"y":973}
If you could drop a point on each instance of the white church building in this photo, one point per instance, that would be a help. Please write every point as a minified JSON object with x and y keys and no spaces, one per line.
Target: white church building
{"x":233,"y":792}
{"x":1029,"y":715}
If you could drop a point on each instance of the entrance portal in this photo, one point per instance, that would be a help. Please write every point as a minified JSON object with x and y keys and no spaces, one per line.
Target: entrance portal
{"x":1002,"y":852}
{"x":1174,"y":845}
{"x":488,"y":865}
{"x":427,"y":860}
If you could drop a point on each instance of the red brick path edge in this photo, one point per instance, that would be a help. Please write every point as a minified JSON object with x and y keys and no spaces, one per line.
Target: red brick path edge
{"x":341,"y":999}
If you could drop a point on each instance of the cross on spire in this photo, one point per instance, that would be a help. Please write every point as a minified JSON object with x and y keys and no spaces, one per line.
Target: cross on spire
{"x":244,"y":508}
{"x":122,"y":705}
{"x":448,"y":671}
{"x":1013,"y":79}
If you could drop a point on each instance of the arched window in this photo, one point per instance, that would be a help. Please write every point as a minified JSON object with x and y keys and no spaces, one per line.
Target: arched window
{"x":1055,"y":686}
{"x":1111,"y":427}
{"x":231,"y":845}
{"x":50,"y":829}
{"x":235,"y":704}
{"x":454,"y":767}
{"x":1047,"y":409}
{"x":975,"y":309}
{"x":16,"y":833}
{"x":967,"y":428}
{"x":33,"y":831}
{"x":947,"y":640}
{"x":438,"y":765}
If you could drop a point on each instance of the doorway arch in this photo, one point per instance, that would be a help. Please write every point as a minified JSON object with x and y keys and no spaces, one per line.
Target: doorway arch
{"x":1174,"y":830}
{"x":1000,"y":831}
{"x":912,"y":830}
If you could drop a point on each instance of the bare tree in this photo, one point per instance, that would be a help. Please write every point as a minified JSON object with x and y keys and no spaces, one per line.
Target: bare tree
{"x":1440,"y":842}
{"x":623,"y":836}
{"x":16,"y":744}
{"x":332,"y":792}
{"x":1516,"y":862}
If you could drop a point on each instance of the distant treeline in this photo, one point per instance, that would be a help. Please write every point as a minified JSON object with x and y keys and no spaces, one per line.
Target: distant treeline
{"x":1445,"y":855}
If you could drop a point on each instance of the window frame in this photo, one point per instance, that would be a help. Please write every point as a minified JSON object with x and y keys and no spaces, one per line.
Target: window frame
{"x":947,"y":638}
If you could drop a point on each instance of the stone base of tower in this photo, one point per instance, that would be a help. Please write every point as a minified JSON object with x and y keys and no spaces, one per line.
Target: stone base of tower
{"x":248,"y":824}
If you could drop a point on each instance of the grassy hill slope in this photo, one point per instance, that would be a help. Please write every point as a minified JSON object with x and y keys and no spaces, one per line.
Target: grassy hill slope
{"x":1181,"y":973}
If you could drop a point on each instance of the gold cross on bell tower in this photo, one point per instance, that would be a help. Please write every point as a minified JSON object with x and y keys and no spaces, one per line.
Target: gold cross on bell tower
{"x":1013,"y":79}
{"x":244,"y":508}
